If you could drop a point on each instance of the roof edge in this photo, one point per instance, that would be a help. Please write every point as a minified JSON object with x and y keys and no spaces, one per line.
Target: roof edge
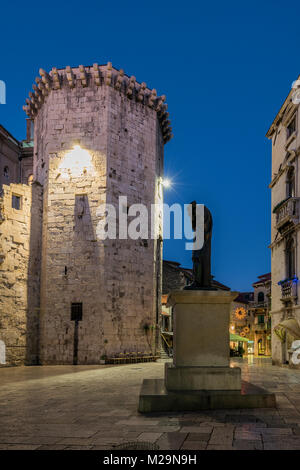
{"x":280,"y":113}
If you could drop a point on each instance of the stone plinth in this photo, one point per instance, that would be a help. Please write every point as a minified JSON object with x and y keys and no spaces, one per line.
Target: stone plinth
{"x":200,"y":377}
{"x":201,"y":342}
{"x":154,"y":397}
{"x":201,"y":327}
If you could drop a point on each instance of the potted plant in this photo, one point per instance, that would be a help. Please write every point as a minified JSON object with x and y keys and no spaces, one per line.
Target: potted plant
{"x":149,"y":331}
{"x":103,"y":359}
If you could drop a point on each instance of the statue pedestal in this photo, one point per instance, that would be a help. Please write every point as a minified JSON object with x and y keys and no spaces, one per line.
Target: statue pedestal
{"x":200,"y":376}
{"x":201,"y":342}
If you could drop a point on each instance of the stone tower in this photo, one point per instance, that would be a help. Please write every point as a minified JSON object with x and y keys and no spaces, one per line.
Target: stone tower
{"x":98,"y":135}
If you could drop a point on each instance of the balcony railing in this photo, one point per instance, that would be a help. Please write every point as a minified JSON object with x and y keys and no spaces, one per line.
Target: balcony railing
{"x":287,"y":213}
{"x":288,"y":289}
{"x":260,"y":326}
{"x":259,"y":305}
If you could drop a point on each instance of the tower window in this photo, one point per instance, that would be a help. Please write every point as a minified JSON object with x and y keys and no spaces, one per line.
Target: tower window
{"x":76,"y":311}
{"x":16,"y":202}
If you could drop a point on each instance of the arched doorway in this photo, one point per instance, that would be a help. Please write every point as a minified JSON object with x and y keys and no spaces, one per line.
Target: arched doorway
{"x":260,"y":347}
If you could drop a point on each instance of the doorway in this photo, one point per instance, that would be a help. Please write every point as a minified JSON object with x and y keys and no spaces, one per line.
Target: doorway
{"x":261,"y":349}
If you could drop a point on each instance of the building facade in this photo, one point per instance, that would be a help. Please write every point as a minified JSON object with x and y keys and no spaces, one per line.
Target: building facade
{"x":260,"y":309}
{"x":16,"y":158}
{"x":240,"y":325}
{"x":251,"y":319}
{"x":15,"y":283}
{"x":285,"y":223}
{"x":9,"y":158}
{"x":98,"y":135}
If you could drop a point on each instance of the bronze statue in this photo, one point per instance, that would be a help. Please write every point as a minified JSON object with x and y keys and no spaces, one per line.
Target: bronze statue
{"x":201,"y":258}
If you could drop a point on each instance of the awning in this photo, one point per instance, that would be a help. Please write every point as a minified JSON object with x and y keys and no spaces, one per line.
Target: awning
{"x":236,"y":338}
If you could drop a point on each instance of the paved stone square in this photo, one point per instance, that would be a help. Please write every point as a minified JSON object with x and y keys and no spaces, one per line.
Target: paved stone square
{"x":95,"y":407}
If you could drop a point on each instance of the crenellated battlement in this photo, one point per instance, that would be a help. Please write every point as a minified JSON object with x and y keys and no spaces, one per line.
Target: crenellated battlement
{"x":98,"y":75}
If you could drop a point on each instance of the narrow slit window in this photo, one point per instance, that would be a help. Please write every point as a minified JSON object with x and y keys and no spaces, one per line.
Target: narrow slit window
{"x":76,"y":311}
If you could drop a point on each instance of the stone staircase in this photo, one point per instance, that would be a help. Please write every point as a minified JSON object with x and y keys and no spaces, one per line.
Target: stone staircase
{"x":163,"y":353}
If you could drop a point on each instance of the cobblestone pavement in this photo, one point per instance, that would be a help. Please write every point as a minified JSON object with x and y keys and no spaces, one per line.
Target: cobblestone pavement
{"x":95,"y":407}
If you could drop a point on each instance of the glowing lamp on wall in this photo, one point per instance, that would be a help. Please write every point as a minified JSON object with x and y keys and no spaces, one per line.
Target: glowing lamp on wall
{"x":166,"y":183}
{"x":76,"y":163}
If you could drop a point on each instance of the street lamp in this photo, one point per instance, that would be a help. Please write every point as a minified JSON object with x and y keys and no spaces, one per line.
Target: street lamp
{"x":166,"y":183}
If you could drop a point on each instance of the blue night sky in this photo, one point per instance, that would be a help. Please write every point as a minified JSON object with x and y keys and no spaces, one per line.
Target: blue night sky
{"x":225,"y":67}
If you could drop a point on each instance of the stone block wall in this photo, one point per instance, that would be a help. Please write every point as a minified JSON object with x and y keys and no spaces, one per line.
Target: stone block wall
{"x":19,"y":289}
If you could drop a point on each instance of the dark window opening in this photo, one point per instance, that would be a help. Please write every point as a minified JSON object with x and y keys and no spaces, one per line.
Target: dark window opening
{"x":76,"y":311}
{"x":16,"y":202}
{"x":6,"y":172}
{"x":290,"y":183}
{"x":290,"y":259}
{"x":291,"y":128}
{"x":261,"y":297}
